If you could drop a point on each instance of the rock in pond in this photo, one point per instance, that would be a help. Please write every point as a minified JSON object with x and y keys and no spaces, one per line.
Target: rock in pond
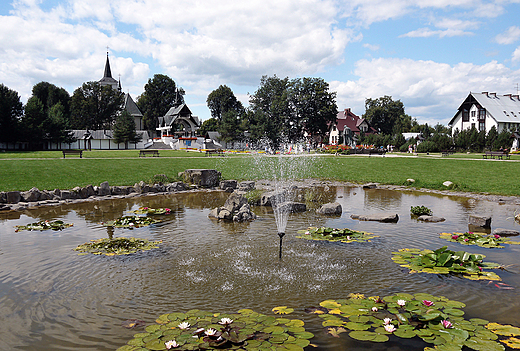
{"x":330,"y":209}
{"x":479,"y":221}
{"x":433,"y":219}
{"x":505,"y":232}
{"x":381,"y":217}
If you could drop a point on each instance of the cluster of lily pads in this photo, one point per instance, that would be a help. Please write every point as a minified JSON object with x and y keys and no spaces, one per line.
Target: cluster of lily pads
{"x":479,"y":239}
{"x":435,"y":320}
{"x":152,"y":211}
{"x":420,"y":211}
{"x":444,"y":261}
{"x":130,"y":222}
{"x":116,"y":246}
{"x":201,"y":330}
{"x":44,"y":225}
{"x":331,"y":234}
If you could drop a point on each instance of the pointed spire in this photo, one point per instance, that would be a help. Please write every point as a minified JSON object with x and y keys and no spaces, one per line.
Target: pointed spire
{"x":108,"y":72}
{"x":119,"y":86}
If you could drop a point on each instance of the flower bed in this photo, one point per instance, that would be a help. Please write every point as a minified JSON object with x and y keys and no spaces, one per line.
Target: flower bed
{"x":331,"y":234}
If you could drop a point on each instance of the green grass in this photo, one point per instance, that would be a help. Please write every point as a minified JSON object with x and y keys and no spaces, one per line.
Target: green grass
{"x":49,"y":170}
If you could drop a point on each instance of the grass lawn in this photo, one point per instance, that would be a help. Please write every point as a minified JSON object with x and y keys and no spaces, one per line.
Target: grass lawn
{"x":48,"y":170}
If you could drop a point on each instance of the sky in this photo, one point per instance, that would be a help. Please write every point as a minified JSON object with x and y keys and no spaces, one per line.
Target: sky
{"x":429,"y":54}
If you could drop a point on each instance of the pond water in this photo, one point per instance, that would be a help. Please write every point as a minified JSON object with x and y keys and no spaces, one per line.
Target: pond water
{"x":53,"y":299}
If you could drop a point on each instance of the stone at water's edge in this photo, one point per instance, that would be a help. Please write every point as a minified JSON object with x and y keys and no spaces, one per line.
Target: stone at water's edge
{"x":235,"y":209}
{"x":480,"y":221}
{"x":382,"y":217}
{"x":273,"y":197}
{"x":247,"y":185}
{"x":332,"y":208}
{"x":370,"y":186}
{"x":13,"y":197}
{"x":203,"y":177}
{"x":228,"y":184}
{"x":432,"y":219}
{"x":234,"y":202}
{"x":104,"y":189}
{"x":505,"y":232}
{"x":291,"y":207}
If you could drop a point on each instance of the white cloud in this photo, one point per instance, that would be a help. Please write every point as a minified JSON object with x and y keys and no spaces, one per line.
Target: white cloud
{"x":511,"y":35}
{"x":371,"y":47}
{"x":516,"y":55}
{"x":427,"y":89}
{"x":427,"y":32}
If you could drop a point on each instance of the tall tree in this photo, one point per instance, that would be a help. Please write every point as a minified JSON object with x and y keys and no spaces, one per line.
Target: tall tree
{"x":124,"y":129}
{"x":57,"y":126}
{"x":11,"y":110}
{"x":313,"y":108}
{"x":270,"y":109}
{"x":160,"y":94}
{"x":209,"y":125}
{"x":383,"y":113}
{"x":49,"y":94}
{"x":33,"y":122}
{"x":94,"y":106}
{"x":222,"y":100}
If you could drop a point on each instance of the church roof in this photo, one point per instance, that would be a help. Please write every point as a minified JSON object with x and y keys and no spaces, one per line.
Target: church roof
{"x":131,"y":106}
{"x":107,"y":76}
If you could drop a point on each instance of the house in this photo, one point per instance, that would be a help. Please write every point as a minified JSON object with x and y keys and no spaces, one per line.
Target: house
{"x":178,"y":127}
{"x":486,"y":110}
{"x":349,"y":127}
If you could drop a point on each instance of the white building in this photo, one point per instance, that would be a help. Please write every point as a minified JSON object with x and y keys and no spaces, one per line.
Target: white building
{"x":485,"y":110}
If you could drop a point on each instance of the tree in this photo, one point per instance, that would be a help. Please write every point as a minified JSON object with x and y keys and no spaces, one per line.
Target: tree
{"x":124,"y":129}
{"x":160,"y":94}
{"x":491,"y":137}
{"x":209,"y":125}
{"x":11,"y":110}
{"x":94,"y":106}
{"x":270,"y":109}
{"x":314,"y":108}
{"x":57,"y":125}
{"x":229,"y":128}
{"x":33,"y":122}
{"x":50,"y":95}
{"x":222,"y":100}
{"x":383,"y":113}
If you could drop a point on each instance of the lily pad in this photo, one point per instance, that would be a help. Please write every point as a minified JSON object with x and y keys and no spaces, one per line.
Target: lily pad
{"x":283,"y":310}
{"x":368,"y":336}
{"x":332,"y":234}
{"x":130,"y":222}
{"x":44,"y":225}
{"x":479,"y":239}
{"x":152,"y":211}
{"x":117,"y":246}
{"x":506,"y":330}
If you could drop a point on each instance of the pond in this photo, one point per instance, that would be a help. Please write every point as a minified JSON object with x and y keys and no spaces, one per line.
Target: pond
{"x":51,"y":298}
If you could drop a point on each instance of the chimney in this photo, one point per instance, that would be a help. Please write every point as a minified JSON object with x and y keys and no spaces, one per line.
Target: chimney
{"x":485,"y":92}
{"x":494,"y":94}
{"x":508,"y":95}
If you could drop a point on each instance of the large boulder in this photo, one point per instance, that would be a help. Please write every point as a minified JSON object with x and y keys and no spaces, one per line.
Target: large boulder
{"x":234,"y":202}
{"x":235,"y":209}
{"x":273,"y":197}
{"x":207,"y":178}
{"x":32,"y":195}
{"x":228,"y":185}
{"x":381,"y":217}
{"x":433,"y":219}
{"x":505,"y":232}
{"x":291,"y":207}
{"x":104,"y":189}
{"x":13,"y":197}
{"x":480,"y":221}
{"x":330,"y":209}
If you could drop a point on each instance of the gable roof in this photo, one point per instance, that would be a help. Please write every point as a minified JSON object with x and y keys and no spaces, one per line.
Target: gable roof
{"x":348,"y":119}
{"x":505,"y":108}
{"x":131,"y":106}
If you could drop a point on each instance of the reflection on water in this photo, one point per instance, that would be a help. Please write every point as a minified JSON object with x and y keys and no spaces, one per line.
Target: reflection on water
{"x":53,"y":299}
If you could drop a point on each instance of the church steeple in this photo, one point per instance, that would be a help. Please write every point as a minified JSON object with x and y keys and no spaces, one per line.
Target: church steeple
{"x":108,"y":72}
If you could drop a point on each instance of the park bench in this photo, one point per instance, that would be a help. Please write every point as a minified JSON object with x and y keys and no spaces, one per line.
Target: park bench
{"x":72,"y":152}
{"x":496,"y":154}
{"x":446,"y":153}
{"x":143,"y":153}
{"x":217,"y":152}
{"x":376,"y":152}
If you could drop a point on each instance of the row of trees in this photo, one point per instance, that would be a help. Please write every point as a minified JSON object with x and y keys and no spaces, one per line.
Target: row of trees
{"x":280,"y":109}
{"x":51,"y":113}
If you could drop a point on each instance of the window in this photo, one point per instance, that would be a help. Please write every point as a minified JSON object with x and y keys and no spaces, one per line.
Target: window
{"x":482,"y":113}
{"x":481,"y":125}
{"x":473,"y":113}
{"x":465,"y":116}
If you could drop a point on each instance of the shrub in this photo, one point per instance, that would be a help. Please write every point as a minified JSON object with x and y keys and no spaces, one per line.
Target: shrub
{"x":420,"y":211}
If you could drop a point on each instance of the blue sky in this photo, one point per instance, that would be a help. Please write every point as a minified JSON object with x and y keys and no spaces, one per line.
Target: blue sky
{"x":427,"y":53}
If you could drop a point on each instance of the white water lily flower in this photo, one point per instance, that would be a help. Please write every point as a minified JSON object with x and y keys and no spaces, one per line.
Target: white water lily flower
{"x":184,"y":325}
{"x":170,"y":344}
{"x":387,"y":321}
{"x":390,"y":328}
{"x":374,"y":309}
{"x":401,"y":302}
{"x":210,"y":332}
{"x":225,"y":321}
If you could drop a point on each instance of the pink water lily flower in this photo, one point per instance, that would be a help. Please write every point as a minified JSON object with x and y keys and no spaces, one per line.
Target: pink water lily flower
{"x":497,"y":236}
{"x":401,"y":302}
{"x":390,"y":328}
{"x":447,"y":324}
{"x":466,"y":240}
{"x":387,"y":321}
{"x":427,"y":303}
{"x":454,"y":237}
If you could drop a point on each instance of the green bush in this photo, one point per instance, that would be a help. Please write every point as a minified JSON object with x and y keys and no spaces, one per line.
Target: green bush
{"x":420,"y":211}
